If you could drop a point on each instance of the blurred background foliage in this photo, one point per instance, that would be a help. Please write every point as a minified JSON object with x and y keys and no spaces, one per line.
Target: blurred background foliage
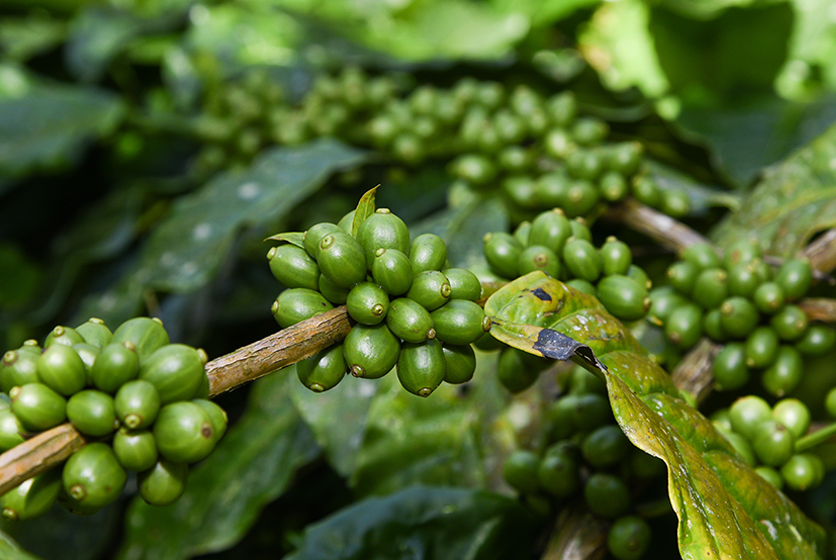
{"x":114,"y":202}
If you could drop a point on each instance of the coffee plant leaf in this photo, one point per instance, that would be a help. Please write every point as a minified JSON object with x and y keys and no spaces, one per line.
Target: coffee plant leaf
{"x":337,"y":418}
{"x":795,"y":199}
{"x":724,"y":508}
{"x":252,"y":465}
{"x":49,"y":126}
{"x":10,"y":551}
{"x":186,"y":249}
{"x":293,"y":237}
{"x":365,"y":208}
{"x":421,"y":523}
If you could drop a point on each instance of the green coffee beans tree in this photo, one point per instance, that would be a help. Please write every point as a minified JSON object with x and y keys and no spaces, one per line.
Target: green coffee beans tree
{"x":141,"y":400}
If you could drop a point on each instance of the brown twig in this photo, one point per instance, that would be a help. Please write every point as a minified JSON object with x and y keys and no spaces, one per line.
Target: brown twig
{"x":578,"y":535}
{"x":822,"y":252}
{"x":819,"y":309}
{"x":660,"y":227}
{"x":693,"y":373}
{"x":286,"y":347}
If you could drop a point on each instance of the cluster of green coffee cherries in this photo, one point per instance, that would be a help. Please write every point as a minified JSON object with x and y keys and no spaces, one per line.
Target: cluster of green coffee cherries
{"x":412,"y":311}
{"x":140,"y":402}
{"x":535,"y":149}
{"x":741,"y":302}
{"x":587,"y":457}
{"x":563,"y":249}
{"x":766,"y":438}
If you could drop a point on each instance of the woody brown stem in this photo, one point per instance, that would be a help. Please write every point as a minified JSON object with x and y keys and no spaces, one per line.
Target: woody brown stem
{"x":663,"y":229}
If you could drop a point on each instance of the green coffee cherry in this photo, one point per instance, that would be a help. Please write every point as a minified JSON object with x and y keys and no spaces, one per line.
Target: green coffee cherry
{"x":645,"y":466}
{"x":785,"y":373}
{"x":38,"y":407}
{"x":136,"y":450}
{"x":183,"y":432}
{"x":217,"y":417}
{"x":147,"y":335}
{"x":116,"y":364}
{"x":606,"y":495}
{"x":712,"y":325}
{"x":95,"y":332}
{"x":371,"y":351}
{"x":88,"y":354}
{"x":367,"y":303}
{"x":769,"y":297}
{"x":430,"y":289}
{"x":628,"y":538}
{"x":392,"y":271}
{"x":761,"y":347}
{"x":298,"y":304}
{"x":10,"y":430}
{"x":176,"y":371}
{"x":92,"y":477}
{"x":587,"y":411}
{"x":702,"y":255}
{"x":460,"y":321}
{"x":742,"y":447}
{"x":427,"y":252}
{"x":817,"y":340}
{"x":163,"y":483}
{"x":410,"y":320}
{"x":738,"y":317}
{"x":421,"y":367}
{"x":773,"y":443}
{"x":550,"y":229}
{"x":790,"y":323}
{"x":747,"y":413}
{"x":729,"y":367}
{"x":741,"y":252}
{"x":795,"y":276}
{"x":63,"y":335}
{"x":675,"y":203}
{"x":31,"y":498}
{"x":18,"y":368}
{"x":803,"y":471}
{"x":558,"y":472}
{"x":581,"y":197}
{"x":92,"y":413}
{"x":794,"y":415}
{"x":522,"y":232}
{"x":616,"y":256}
{"x":588,"y":131}
{"x":520,"y":471}
{"x":562,"y":108}
{"x":383,"y":230}
{"x":313,"y":237}
{"x":582,"y":286}
{"x":324,"y":370}
{"x":342,"y":259}
{"x":293,"y":267}
{"x":476,"y":169}
{"x":62,"y":369}
{"x":664,"y":300}
{"x":684,"y":325}
{"x":538,"y":257}
{"x":459,"y":363}
{"x":335,"y":294}
{"x":551,"y":190}
{"x":502,"y":251}
{"x":136,"y":404}
{"x":613,"y":186}
{"x":463,"y":284}
{"x":682,"y":275}
{"x":517,"y":370}
{"x":625,"y":298}
{"x":647,"y":191}
{"x":743,"y":280}
{"x":605,"y":446}
{"x":585,"y":164}
{"x":582,"y":259}
{"x":770,"y":475}
{"x":710,"y":288}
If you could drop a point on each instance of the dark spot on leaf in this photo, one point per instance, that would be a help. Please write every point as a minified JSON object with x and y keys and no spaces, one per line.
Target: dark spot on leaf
{"x":541,"y":294}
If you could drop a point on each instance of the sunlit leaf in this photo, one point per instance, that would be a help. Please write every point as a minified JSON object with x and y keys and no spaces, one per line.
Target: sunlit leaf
{"x":725,"y":509}
{"x":795,"y":199}
{"x":252,"y":465}
{"x":423,"y":523}
{"x":365,"y":208}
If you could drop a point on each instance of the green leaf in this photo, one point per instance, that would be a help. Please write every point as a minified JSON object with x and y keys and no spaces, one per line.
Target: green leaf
{"x":337,"y":418}
{"x":725,"y":509}
{"x":795,"y":199}
{"x":423,"y":523}
{"x":48,"y":126}
{"x":23,"y":38}
{"x":365,"y":208}
{"x":10,"y":551}
{"x":296,"y":238}
{"x":185,"y":250}
{"x":251,"y":466}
